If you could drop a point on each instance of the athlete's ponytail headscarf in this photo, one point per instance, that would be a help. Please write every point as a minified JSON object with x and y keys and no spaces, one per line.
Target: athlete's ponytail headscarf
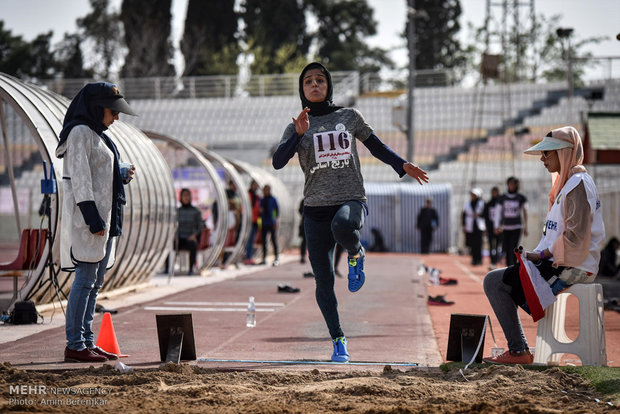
{"x":570,"y":159}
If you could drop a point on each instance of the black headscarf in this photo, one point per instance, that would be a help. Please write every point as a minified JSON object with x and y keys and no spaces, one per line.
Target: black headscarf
{"x":86,"y":108}
{"x":318,"y":108}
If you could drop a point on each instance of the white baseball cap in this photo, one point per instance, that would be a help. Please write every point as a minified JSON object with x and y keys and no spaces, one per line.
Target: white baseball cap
{"x":477,"y":192}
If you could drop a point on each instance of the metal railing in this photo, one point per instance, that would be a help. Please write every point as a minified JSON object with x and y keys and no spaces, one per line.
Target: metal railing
{"x":223,"y":86}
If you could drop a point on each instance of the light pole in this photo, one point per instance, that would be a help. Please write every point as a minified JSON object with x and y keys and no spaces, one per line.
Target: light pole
{"x":565,"y":33}
{"x":412,"y":14}
{"x":411,"y":84}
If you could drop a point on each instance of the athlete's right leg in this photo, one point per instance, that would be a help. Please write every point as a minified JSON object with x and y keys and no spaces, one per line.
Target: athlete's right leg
{"x":346,"y":226}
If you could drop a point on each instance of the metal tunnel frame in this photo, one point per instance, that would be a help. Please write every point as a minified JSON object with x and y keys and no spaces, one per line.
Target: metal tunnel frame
{"x":210,"y":255}
{"x":286,"y":222}
{"x":149,"y":216}
{"x":238,"y":249}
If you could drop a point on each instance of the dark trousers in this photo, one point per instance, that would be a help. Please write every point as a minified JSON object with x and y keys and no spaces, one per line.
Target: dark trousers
{"x":426,"y":238}
{"x":474,"y":241}
{"x":511,"y":242}
{"x":495,"y":243}
{"x":249,"y":247}
{"x":302,"y":246}
{"x":271,"y":230}
{"x":322,"y":237}
{"x":189,"y":245}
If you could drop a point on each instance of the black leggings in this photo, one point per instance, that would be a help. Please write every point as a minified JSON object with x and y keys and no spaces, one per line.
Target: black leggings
{"x":322,"y":237}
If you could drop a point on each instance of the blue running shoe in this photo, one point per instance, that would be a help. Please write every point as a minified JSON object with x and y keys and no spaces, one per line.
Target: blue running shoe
{"x":356,"y":271}
{"x":340,"y":350}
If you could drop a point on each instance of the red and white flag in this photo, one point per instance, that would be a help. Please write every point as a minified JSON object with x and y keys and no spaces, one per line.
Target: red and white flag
{"x":538,"y":293}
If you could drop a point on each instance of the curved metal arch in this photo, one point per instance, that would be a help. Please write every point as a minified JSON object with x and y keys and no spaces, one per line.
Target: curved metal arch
{"x":246,"y":207}
{"x":149,"y":213}
{"x":147,"y":200}
{"x":29,"y":104}
{"x":287,"y":208}
{"x":43,"y":112}
{"x":211,"y":254}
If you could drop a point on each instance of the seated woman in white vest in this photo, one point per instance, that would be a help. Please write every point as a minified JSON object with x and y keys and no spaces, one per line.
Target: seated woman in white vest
{"x":567,"y":253}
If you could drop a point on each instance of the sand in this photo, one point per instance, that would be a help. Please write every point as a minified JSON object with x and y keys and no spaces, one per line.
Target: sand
{"x":192,"y":389}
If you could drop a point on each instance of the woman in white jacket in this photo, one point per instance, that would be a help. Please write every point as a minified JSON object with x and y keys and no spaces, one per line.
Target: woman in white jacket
{"x":474,"y":225}
{"x":567,"y":253}
{"x":93,"y":199}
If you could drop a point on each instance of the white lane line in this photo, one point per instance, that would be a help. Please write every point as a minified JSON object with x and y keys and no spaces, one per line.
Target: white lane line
{"x":468,"y":272}
{"x":245,"y":330}
{"x":188,"y":308}
{"x":223,"y":304}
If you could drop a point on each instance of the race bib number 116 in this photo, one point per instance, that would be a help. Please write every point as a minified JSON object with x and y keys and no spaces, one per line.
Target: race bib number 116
{"x":332,"y":146}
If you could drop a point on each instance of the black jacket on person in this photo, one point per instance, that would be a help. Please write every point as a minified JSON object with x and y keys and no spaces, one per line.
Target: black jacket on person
{"x":427,"y":219}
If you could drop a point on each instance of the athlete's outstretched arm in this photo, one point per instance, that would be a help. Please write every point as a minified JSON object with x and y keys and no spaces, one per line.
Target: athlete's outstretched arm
{"x":384,"y":153}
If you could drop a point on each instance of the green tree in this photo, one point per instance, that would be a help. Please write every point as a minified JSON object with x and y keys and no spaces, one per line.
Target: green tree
{"x":102,"y":31}
{"x":436,"y":27}
{"x":42,"y":62}
{"x":275,"y":33}
{"x":69,"y":57}
{"x":343,"y":26}
{"x":209,"y":42}
{"x":538,"y":55}
{"x":13,"y":50}
{"x":26,"y":59}
{"x":551,"y":62}
{"x":147,"y":36}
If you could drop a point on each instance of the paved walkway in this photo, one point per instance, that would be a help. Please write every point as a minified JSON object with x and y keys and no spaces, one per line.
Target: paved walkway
{"x":387,"y":321}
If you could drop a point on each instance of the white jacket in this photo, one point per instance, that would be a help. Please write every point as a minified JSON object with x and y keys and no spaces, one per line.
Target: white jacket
{"x":470,"y":214}
{"x":554,"y":227}
{"x":88,"y":172}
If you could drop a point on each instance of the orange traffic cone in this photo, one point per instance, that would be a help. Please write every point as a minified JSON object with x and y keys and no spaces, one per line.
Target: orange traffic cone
{"x":106,"y":339}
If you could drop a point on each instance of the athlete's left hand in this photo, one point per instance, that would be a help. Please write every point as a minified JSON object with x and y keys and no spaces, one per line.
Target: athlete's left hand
{"x":416,"y":172}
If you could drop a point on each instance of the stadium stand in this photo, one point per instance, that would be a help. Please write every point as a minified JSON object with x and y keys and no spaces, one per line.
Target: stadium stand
{"x":463,"y":136}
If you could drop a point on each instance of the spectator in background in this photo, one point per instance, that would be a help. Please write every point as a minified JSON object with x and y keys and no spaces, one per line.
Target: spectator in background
{"x":473,"y":225}
{"x":269,"y":213}
{"x":378,"y":243}
{"x":512,"y":219}
{"x":231,"y":194}
{"x":232,"y":229}
{"x":491,"y":216}
{"x":190,"y":225}
{"x":255,"y":205}
{"x":231,"y":191}
{"x":427,"y":222}
{"x":608,"y":266}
